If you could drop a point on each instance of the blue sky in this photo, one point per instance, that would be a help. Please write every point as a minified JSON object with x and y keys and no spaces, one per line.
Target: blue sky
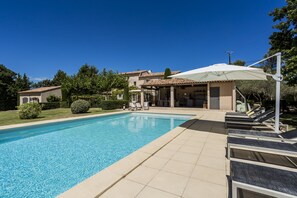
{"x":40,"y":37}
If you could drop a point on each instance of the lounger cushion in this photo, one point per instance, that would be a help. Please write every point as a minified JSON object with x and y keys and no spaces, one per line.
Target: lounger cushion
{"x":253,"y":133}
{"x":264,"y":144}
{"x":265,"y":177}
{"x":290,"y":134}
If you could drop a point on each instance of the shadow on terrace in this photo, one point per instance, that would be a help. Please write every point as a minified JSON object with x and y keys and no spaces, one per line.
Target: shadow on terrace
{"x":205,"y":126}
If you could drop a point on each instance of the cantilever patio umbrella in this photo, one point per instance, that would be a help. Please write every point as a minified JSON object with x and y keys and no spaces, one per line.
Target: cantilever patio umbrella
{"x":223,"y":72}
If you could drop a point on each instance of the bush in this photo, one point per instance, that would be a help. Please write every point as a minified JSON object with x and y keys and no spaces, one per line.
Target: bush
{"x":29,"y":110}
{"x":50,"y":105}
{"x":114,"y":104}
{"x":94,"y":100}
{"x":53,"y":98}
{"x":80,"y":106}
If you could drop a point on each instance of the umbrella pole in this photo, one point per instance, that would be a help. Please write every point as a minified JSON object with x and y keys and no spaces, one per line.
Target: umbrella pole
{"x":278,"y":79}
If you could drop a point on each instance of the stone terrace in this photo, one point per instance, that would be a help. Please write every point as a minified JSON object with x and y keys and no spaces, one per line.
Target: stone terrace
{"x":191,"y":165}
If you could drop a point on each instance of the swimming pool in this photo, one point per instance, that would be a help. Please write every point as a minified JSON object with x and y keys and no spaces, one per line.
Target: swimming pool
{"x":46,"y":160}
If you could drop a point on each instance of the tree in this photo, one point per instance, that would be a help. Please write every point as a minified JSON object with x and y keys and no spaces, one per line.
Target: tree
{"x":167,"y":73}
{"x":239,"y":62}
{"x":59,"y":77}
{"x":7,"y":89}
{"x":43,"y":83}
{"x":87,"y":71}
{"x":22,"y":82}
{"x":285,"y":39}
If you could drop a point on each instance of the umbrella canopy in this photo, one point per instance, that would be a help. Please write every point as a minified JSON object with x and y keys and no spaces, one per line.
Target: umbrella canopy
{"x":223,"y":72}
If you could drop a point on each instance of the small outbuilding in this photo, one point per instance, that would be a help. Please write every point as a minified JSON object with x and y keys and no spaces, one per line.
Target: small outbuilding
{"x":39,"y":94}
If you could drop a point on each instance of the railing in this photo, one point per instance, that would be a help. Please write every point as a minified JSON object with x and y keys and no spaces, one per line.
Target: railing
{"x":242,"y":97}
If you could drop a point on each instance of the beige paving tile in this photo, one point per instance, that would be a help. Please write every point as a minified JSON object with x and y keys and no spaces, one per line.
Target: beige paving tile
{"x":167,"y":154}
{"x":169,"y":182}
{"x":123,"y":189}
{"x":178,"y":141}
{"x":197,"y":188}
{"x":142,"y":174}
{"x":192,"y":149}
{"x":185,"y":157}
{"x":155,"y":162}
{"x":180,"y":168}
{"x":212,"y":162}
{"x":149,"y":192}
{"x":172,"y":147}
{"x":210,"y":175}
{"x":214,"y":152}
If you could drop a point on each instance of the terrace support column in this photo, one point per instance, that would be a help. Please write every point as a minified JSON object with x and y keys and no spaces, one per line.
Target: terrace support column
{"x":234,"y":97}
{"x":208,"y":95}
{"x":171,"y":96}
{"x":153,"y":98}
{"x":142,"y":97}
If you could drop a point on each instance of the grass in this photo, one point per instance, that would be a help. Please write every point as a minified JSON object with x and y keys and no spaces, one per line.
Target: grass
{"x":12,"y":117}
{"x":290,"y":119}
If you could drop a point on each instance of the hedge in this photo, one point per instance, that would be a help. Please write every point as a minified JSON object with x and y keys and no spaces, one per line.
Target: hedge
{"x":64,"y":104}
{"x":49,"y":105}
{"x":94,"y":100}
{"x":9,"y":104}
{"x":114,"y":104}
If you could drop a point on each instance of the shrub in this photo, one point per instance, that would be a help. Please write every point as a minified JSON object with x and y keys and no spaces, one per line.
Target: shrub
{"x":94,"y":100}
{"x":53,"y":98}
{"x":50,"y":105}
{"x":80,"y":106}
{"x":29,"y":110}
{"x":114,"y":104}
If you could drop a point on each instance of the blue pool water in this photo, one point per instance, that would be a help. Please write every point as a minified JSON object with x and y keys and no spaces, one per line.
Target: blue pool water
{"x":46,"y":160}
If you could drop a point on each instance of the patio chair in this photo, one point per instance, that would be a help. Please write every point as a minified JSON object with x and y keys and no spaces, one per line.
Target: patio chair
{"x":145,"y":106}
{"x":245,"y":114}
{"x":257,"y":179}
{"x":250,"y":125}
{"x":138,"y":106}
{"x":132,"y":106}
{"x":285,"y":136}
{"x":278,"y":148}
{"x":249,"y":118}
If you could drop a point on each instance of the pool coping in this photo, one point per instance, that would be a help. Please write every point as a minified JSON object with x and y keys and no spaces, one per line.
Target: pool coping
{"x":100,"y":182}
{"x":12,"y":126}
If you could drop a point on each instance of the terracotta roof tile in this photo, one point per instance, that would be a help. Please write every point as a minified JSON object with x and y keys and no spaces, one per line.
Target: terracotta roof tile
{"x":168,"y":82}
{"x":41,"y":89}
{"x":134,"y":72}
{"x":157,"y":74}
{"x":174,"y":81}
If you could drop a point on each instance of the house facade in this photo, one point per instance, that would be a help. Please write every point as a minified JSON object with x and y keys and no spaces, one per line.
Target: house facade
{"x":39,"y":94}
{"x":157,"y":91}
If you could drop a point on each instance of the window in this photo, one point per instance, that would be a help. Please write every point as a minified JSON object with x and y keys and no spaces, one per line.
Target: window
{"x":134,"y":83}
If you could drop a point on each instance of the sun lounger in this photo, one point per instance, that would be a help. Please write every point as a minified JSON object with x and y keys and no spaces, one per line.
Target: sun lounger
{"x":249,"y":119}
{"x":245,"y":114}
{"x":132,"y":106}
{"x":255,"y":179}
{"x":138,"y":106}
{"x":249,"y":125}
{"x":145,"y":106}
{"x":285,"y":136}
{"x":278,"y":148}
{"x":263,"y":158}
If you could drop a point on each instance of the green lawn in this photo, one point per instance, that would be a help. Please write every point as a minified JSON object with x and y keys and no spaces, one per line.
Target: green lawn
{"x":11,"y":117}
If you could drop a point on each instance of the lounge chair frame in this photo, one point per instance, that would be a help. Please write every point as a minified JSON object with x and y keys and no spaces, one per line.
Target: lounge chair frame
{"x":239,"y":185}
{"x":258,"y":149}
